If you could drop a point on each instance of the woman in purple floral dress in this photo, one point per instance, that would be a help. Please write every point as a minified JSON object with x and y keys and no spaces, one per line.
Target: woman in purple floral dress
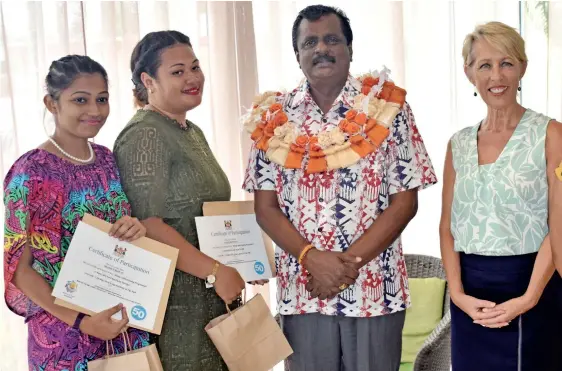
{"x":46,"y":193}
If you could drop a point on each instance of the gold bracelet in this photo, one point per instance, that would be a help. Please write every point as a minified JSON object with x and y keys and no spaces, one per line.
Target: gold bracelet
{"x":216,"y":268}
{"x":303,"y":253}
{"x":558,"y":172}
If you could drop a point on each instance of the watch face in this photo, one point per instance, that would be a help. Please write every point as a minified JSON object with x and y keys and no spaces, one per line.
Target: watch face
{"x":211,"y":279}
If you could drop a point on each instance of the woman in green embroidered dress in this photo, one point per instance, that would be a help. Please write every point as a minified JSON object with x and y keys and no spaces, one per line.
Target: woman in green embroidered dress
{"x":495,"y":239}
{"x":168,"y":171}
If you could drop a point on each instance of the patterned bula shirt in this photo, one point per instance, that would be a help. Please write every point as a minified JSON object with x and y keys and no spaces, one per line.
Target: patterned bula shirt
{"x":333,"y":209}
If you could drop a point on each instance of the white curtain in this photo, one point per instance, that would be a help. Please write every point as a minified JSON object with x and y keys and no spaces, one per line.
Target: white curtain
{"x":246,"y":46}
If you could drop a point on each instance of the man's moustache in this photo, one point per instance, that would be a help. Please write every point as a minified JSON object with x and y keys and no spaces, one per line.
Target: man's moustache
{"x":324,"y":58}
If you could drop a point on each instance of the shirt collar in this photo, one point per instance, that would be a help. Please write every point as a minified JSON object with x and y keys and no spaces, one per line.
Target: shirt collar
{"x":351,"y":88}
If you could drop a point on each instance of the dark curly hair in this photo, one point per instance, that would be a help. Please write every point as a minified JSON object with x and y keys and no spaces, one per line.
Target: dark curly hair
{"x":146,"y":58}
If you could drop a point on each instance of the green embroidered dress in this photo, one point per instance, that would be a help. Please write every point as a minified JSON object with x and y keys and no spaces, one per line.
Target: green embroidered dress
{"x":168,"y":172}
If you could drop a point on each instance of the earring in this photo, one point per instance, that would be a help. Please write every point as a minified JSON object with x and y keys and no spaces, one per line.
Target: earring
{"x":151,"y":91}
{"x":475,"y":94}
{"x":519,"y":88}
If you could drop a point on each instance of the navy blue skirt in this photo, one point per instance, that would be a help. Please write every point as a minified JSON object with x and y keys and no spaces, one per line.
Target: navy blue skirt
{"x":531,"y":342}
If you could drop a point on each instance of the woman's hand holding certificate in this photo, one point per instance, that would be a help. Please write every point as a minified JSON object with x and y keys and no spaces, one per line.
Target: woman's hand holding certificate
{"x":101,"y":325}
{"x":236,"y":241}
{"x":127,"y":229}
{"x":109,"y":264}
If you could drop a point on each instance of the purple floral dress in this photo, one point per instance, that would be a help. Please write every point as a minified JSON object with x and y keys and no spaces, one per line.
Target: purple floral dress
{"x":45,"y":197}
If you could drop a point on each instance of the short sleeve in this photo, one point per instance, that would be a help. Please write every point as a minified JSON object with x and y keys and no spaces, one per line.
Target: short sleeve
{"x":454,"y":141}
{"x":259,"y":174}
{"x":33,"y":209}
{"x":408,"y":162}
{"x":144,"y":160}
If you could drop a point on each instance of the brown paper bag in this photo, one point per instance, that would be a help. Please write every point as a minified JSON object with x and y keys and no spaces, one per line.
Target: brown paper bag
{"x":248,"y":338}
{"x":143,"y":359}
{"x":129,"y":362}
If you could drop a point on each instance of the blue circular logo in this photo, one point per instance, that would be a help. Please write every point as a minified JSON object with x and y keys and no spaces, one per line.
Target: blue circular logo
{"x":259,"y":268}
{"x":138,"y":313}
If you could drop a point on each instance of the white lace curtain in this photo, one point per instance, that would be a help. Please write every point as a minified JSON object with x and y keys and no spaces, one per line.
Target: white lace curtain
{"x":246,"y":45}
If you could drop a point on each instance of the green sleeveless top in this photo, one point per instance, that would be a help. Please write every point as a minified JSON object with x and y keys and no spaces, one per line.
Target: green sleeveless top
{"x":501,"y":209}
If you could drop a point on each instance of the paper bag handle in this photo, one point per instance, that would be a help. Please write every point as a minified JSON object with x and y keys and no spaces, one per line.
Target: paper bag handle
{"x":243,"y":302}
{"x":107,"y":355}
{"x":126,"y":344}
{"x":127,"y":341}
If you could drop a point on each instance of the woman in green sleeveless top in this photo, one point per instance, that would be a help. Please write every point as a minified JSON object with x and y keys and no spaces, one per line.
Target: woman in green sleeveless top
{"x":495,"y":240}
{"x":168,"y":171}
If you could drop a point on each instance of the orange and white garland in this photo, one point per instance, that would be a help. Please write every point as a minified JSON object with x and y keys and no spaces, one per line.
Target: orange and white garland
{"x":360,"y":133}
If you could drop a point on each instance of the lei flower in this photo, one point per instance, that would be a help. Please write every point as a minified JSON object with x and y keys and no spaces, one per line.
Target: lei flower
{"x":361,"y":132}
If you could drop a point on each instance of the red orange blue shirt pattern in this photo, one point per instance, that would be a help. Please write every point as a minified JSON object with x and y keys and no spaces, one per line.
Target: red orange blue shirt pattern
{"x":333,"y":209}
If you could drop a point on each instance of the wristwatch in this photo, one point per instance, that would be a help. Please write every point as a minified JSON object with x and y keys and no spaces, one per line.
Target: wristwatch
{"x":212,"y":278}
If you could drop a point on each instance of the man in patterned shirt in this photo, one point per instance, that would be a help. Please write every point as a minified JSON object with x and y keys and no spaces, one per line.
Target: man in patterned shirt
{"x":342,"y":302}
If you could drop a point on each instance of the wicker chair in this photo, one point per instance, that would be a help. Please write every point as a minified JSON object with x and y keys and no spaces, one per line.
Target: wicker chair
{"x":435,"y":354}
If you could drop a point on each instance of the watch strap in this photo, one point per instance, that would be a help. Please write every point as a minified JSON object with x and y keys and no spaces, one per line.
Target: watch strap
{"x":78,"y":321}
{"x":213,"y":276}
{"x":215,"y":268}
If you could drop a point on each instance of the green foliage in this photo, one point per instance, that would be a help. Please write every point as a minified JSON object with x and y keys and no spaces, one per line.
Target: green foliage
{"x":538,"y":12}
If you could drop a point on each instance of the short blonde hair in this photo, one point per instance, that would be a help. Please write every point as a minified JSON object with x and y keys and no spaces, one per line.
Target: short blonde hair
{"x":500,"y":36}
